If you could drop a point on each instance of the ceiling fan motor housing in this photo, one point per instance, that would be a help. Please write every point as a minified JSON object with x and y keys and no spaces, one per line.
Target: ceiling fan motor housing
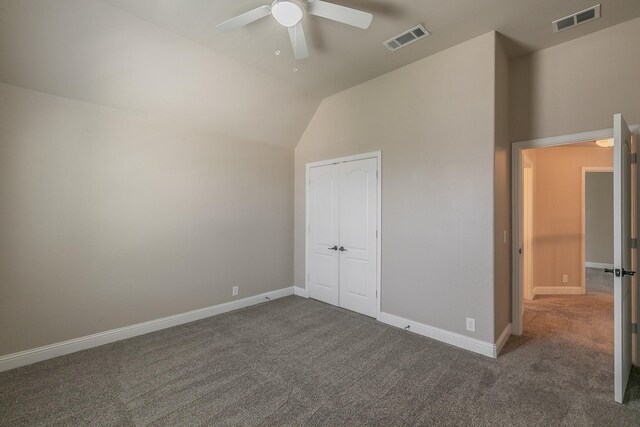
{"x":287,"y":12}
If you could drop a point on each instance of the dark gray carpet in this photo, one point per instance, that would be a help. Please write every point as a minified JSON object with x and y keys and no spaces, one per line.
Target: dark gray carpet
{"x":295,"y":361}
{"x":581,"y":320}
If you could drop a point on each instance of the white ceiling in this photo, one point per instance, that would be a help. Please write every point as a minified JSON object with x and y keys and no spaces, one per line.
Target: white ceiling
{"x":342,"y":56}
{"x":165,"y":57}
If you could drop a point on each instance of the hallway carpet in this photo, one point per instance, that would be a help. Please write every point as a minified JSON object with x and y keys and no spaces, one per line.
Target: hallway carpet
{"x":296,"y":361}
{"x":582,"y":320}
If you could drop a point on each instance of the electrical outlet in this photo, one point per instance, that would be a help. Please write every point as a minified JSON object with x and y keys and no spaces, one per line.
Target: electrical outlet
{"x":471,"y":324}
{"x":234,"y":291}
{"x":565,"y":278}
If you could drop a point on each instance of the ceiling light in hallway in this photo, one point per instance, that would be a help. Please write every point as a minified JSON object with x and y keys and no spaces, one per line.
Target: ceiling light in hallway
{"x":605,"y":143}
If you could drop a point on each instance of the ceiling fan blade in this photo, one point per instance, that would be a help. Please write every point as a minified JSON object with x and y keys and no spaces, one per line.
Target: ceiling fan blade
{"x":244,"y":19}
{"x":335,"y":12}
{"x":298,"y":42}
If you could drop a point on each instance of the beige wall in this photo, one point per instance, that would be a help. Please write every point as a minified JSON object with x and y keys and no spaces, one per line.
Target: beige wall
{"x":599,"y":217}
{"x":434,"y":122}
{"x":109,"y":219}
{"x":577,"y":86}
{"x":502,"y":193}
{"x":557,"y":216}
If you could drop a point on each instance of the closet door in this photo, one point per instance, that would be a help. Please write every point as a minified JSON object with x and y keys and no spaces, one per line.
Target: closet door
{"x":358,"y":241}
{"x":324,"y":223}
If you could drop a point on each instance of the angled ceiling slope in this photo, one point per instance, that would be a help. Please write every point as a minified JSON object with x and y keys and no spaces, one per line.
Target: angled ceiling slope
{"x":90,"y":51}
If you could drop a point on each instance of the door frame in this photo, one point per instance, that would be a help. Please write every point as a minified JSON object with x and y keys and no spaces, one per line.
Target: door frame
{"x":528,"y":256}
{"x":371,"y":155}
{"x":516,"y":206}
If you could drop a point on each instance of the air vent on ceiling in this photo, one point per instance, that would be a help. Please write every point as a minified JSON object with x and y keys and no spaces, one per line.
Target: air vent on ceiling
{"x":577,"y":18}
{"x":401,"y":40}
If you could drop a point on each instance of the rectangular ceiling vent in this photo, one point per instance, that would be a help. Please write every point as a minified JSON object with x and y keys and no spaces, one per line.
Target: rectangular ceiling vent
{"x":401,"y":40}
{"x":577,"y":18}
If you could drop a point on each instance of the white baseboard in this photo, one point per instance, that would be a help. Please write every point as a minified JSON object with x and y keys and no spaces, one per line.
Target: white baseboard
{"x":558,"y":290}
{"x":502,"y":340}
{"x":597,"y":265}
{"x":301,"y":292}
{"x":39,"y":354}
{"x":458,"y":340}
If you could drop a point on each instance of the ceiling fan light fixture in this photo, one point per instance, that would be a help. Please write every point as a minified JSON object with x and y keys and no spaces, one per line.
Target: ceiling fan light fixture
{"x":286,"y":12}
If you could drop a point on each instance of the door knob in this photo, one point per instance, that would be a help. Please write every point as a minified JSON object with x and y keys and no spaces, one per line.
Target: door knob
{"x":342,"y":249}
{"x":616,"y":272}
{"x":334,"y":248}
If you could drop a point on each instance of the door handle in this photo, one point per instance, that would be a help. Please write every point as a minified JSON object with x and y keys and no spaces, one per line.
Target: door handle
{"x":616,"y":272}
{"x":335,"y":248}
{"x":342,"y":249}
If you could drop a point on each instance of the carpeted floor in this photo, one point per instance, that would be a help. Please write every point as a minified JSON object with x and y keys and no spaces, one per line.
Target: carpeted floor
{"x":581,"y":320}
{"x":295,"y":361}
{"x":597,"y":281}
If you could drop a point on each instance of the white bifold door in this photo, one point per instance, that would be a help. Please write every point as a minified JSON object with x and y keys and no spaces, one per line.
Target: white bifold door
{"x":622,"y":259}
{"x":342,"y":234}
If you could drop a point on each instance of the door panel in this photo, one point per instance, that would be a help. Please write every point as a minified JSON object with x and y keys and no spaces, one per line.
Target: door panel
{"x":358,"y":223}
{"x":622,"y":255}
{"x":324,"y":203}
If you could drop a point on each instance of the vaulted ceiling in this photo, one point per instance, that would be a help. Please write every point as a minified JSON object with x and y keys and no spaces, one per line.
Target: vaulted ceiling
{"x":165,"y":57}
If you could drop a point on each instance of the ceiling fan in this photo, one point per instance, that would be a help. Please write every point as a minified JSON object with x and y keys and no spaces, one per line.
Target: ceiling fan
{"x":289,"y":13}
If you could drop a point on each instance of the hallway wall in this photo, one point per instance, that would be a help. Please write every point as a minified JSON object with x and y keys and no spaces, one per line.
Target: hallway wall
{"x":599,"y":217}
{"x":557,"y":217}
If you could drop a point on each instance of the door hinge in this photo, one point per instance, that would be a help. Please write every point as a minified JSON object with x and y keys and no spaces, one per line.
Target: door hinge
{"x":634,"y":243}
{"x":309,"y":276}
{"x":376,"y":234}
{"x":309,"y":229}
{"x":309,"y":182}
{"x":376,"y":174}
{"x":633,"y":158}
{"x":634,"y":328}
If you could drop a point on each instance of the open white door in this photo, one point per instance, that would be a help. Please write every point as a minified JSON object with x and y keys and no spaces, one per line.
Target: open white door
{"x":622,"y":255}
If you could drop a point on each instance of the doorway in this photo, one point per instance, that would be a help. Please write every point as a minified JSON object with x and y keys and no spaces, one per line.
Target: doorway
{"x":343,"y":204}
{"x":548,"y":281}
{"x":565,"y":211}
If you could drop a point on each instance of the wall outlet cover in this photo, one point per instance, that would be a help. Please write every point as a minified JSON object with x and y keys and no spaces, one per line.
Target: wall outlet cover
{"x":234,"y":291}
{"x":565,"y":278}
{"x":471,"y":324}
